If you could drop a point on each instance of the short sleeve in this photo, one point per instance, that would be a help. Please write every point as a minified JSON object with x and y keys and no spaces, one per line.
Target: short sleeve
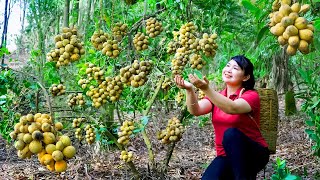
{"x":253,"y":99}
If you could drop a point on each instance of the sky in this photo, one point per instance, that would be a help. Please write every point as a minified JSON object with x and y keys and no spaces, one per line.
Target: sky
{"x":14,"y":24}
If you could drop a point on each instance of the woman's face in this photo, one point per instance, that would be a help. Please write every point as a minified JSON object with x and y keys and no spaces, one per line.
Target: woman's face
{"x":233,"y":75}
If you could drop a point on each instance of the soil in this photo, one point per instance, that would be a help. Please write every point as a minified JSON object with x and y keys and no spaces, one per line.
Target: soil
{"x":190,"y":156}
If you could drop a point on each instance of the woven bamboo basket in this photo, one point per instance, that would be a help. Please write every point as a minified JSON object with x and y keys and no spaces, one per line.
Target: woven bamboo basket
{"x":269,"y":116}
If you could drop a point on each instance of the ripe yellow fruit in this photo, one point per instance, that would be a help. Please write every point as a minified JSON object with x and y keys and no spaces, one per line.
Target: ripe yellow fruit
{"x":35,"y":146}
{"x":57,"y":155}
{"x":19,"y":145}
{"x":65,"y":140}
{"x":295,"y":7}
{"x":285,"y":9}
{"x":286,"y":21}
{"x":41,"y":154}
{"x":292,"y":30}
{"x":50,"y":148}
{"x":304,"y":8}
{"x":46,"y":159}
{"x":301,"y":23}
{"x":50,"y":166}
{"x":294,"y":41}
{"x":293,"y":15}
{"x":282,"y":41}
{"x":49,"y":138}
{"x":60,"y":166}
{"x":303,"y":46}
{"x":30,"y":117}
{"x":69,"y":151}
{"x":58,"y":126}
{"x":306,"y":34}
{"x":27,"y":138}
{"x":291,"y":50}
{"x":33,"y":127}
{"x":60,"y":146}
{"x":46,"y":127}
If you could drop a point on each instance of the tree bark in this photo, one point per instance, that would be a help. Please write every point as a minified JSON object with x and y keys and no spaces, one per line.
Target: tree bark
{"x":75,"y":12}
{"x":66,"y":13}
{"x":5,"y":29}
{"x":280,"y":72}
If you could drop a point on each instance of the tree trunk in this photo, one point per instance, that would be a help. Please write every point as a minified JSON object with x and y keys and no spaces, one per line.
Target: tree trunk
{"x":88,"y":12}
{"x":5,"y":29}
{"x":75,"y":13}
{"x":280,"y":72}
{"x":282,"y":82}
{"x":66,"y":13}
{"x":21,"y":45}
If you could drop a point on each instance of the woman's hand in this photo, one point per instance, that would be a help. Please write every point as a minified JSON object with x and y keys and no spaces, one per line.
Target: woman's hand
{"x":198,"y":83}
{"x":181,"y":83}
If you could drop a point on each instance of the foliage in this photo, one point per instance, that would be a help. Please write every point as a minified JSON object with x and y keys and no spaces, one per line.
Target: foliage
{"x":282,"y":172}
{"x":241,"y":28}
{"x":311,"y":94}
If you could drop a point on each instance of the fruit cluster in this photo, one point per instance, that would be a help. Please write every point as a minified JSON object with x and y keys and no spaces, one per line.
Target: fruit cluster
{"x":153,"y":27}
{"x":208,"y":44}
{"x":77,"y":122}
{"x":111,"y":48}
{"x":84,"y":83}
{"x":179,"y":97}
{"x":68,"y":47}
{"x":172,"y":47}
{"x":201,"y":94}
{"x":57,"y":89}
{"x":90,"y":134}
{"x":126,"y":156}
{"x":75,"y":99}
{"x":136,"y":74}
{"x":292,"y":30}
{"x":36,"y":134}
{"x":181,"y":58}
{"x":119,"y":31}
{"x":94,"y":72}
{"x":166,"y":84}
{"x":172,"y":133}
{"x":98,"y":39}
{"x":196,"y":61}
{"x":125,"y":131}
{"x":140,"y":41}
{"x":187,"y":46}
{"x":187,"y":36}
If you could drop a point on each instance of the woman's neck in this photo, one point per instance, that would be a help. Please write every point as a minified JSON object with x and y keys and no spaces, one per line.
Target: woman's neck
{"x":232,"y":89}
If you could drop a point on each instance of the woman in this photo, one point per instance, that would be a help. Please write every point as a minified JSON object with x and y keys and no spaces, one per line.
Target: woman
{"x":241,"y":150}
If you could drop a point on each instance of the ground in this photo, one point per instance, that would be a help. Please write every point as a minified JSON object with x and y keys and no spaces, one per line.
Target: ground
{"x":189,"y":159}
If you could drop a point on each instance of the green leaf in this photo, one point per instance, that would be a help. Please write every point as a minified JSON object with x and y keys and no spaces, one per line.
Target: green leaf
{"x":2,"y":102}
{"x":317,"y":24}
{"x":198,"y":73}
{"x":252,"y":8}
{"x":144,"y":120}
{"x":261,"y":34}
{"x":310,"y":123}
{"x":292,"y":177}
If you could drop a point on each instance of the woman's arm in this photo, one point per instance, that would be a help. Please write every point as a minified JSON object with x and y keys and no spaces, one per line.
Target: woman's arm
{"x":196,"y":107}
{"x":238,"y":106}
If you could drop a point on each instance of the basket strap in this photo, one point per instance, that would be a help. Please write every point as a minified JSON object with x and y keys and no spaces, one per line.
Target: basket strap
{"x":240,"y":94}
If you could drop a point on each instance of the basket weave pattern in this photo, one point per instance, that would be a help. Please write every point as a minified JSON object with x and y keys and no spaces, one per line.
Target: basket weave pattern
{"x":269,"y":116}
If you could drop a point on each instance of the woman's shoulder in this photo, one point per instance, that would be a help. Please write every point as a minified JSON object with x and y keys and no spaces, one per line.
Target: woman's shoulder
{"x":252,"y":93}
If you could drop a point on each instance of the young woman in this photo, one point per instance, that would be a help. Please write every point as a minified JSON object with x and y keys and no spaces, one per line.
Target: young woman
{"x":241,"y":150}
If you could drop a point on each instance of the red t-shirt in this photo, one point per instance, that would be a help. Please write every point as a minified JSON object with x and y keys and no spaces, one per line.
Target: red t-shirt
{"x":222,"y":121}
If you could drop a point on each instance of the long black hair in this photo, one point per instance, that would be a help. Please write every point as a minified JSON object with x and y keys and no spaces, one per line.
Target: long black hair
{"x":246,"y":65}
